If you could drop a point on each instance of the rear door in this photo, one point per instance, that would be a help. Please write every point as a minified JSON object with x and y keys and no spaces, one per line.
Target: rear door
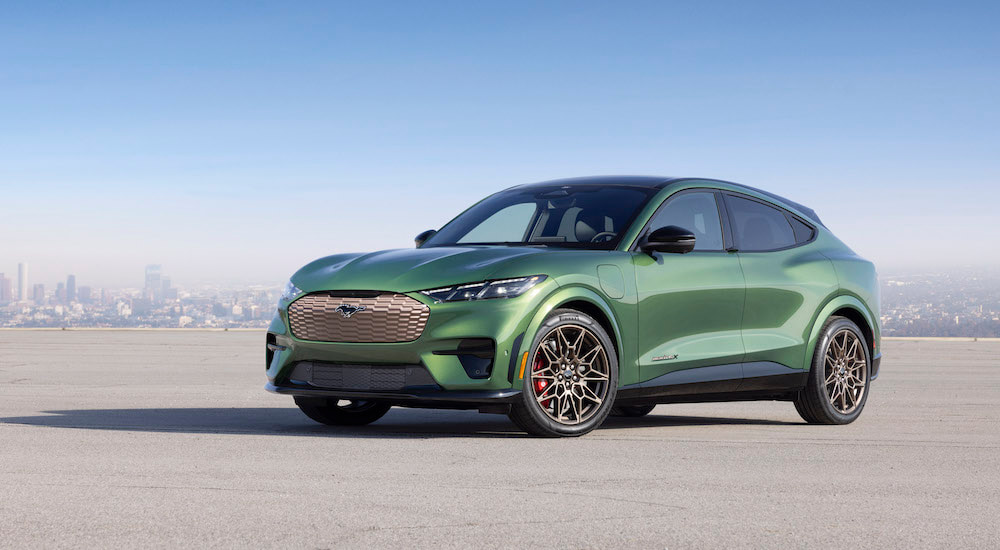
{"x":690,"y":305}
{"x":786,"y":280}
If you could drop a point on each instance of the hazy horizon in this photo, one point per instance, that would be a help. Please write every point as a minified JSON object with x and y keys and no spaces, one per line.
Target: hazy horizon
{"x":235,"y":146}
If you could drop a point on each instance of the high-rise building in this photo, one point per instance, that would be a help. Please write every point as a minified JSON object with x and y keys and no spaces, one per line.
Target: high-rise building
{"x":39,"y":294}
{"x":154,"y":284}
{"x":83,"y":294}
{"x":61,"y":292}
{"x":22,"y":282}
{"x":6,"y":294}
{"x":153,"y":277}
{"x":71,"y":288}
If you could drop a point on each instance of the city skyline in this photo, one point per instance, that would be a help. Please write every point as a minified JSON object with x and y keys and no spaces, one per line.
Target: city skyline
{"x":959,"y":303}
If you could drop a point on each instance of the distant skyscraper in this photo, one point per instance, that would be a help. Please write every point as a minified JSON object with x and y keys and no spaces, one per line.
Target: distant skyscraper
{"x":22,"y":282}
{"x":153,"y":278}
{"x":6,"y":293}
{"x":39,"y":294}
{"x":83,"y":294}
{"x":71,"y":288}
{"x":154,"y":283}
{"x":61,"y":292}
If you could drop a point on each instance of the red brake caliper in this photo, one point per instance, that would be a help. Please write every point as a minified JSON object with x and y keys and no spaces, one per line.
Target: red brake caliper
{"x":540,"y":383}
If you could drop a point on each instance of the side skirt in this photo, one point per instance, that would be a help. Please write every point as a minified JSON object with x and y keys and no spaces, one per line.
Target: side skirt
{"x":761,"y":380}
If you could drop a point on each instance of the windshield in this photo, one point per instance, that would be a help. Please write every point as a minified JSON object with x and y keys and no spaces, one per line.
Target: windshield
{"x":578,"y":216}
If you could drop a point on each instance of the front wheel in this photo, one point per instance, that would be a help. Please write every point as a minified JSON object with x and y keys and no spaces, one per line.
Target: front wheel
{"x":340,"y":412}
{"x":837,"y":388}
{"x":572,"y":379}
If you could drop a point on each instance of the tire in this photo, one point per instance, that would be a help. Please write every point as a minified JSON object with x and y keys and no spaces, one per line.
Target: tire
{"x":839,"y":378}
{"x":352,"y":413}
{"x":571,"y":398}
{"x":632,"y":411}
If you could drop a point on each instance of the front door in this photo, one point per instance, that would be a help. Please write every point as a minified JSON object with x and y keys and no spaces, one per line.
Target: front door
{"x":690,"y":305}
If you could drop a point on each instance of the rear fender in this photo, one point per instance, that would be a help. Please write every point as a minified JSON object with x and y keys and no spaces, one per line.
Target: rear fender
{"x":835,"y":304}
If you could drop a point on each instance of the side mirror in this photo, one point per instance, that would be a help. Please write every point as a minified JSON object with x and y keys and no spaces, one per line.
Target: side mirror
{"x":670,"y":239}
{"x":420,"y":239}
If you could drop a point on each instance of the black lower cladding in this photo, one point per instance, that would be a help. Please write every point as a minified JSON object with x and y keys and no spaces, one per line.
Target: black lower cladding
{"x":355,"y":377}
{"x":756,"y":380}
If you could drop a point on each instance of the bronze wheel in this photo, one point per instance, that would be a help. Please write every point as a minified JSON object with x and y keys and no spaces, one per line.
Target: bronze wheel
{"x":569,"y":374}
{"x":845,"y":371}
{"x":570,"y":377}
{"x":836,"y":389}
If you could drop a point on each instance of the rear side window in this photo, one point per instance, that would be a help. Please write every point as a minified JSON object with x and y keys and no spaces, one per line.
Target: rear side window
{"x":803,"y":232}
{"x":758,"y":226}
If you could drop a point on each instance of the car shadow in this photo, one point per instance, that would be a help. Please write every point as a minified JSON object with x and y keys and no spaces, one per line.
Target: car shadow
{"x":399,"y":422}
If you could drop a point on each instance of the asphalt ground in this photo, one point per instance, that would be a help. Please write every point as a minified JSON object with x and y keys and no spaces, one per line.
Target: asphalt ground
{"x":167,"y":439}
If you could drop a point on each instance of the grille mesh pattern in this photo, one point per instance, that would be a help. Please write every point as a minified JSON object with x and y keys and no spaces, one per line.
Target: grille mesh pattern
{"x":385,"y":318}
{"x":358,"y":377}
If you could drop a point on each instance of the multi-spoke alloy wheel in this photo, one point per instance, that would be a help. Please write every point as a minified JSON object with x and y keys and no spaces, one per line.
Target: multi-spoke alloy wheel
{"x":569,"y":374}
{"x":570,"y":377}
{"x":836,"y":389}
{"x":845,"y":371}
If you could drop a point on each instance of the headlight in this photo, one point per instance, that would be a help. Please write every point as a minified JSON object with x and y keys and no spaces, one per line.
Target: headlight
{"x":290,"y":293}
{"x":506,"y":288}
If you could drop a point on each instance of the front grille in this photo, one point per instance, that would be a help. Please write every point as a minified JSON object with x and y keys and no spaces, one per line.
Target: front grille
{"x":360,"y":377}
{"x":385,"y":318}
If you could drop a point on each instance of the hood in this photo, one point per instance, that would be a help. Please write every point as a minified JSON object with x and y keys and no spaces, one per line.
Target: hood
{"x":407,"y":270}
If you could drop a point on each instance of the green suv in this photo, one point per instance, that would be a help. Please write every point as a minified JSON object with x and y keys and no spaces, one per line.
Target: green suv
{"x":559,"y":303}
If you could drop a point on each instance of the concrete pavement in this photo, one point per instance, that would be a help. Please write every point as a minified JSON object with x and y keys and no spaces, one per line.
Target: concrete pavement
{"x":166,"y":438}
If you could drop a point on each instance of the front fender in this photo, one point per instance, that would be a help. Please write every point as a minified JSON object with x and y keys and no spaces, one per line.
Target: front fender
{"x":562,"y":296}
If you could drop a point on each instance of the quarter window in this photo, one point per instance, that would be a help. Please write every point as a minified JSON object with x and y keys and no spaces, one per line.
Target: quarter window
{"x":758,"y":226}
{"x":802,"y":231}
{"x":698,"y":213}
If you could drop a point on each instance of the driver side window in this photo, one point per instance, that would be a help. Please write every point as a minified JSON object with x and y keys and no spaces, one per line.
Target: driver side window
{"x":697,"y":212}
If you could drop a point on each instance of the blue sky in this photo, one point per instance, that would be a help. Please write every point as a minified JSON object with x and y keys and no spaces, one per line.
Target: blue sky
{"x":236,"y":142}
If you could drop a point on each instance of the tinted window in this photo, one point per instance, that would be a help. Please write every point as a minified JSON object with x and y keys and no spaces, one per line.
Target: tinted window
{"x":506,"y":225}
{"x":583,"y":216}
{"x":802,"y":231}
{"x":758,"y":226}
{"x":696,"y":212}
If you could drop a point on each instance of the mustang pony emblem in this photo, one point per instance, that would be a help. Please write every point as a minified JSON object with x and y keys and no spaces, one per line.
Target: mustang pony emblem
{"x":348,"y":310}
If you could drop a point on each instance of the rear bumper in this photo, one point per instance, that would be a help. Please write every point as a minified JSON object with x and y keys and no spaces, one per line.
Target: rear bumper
{"x":432,"y":397}
{"x":876,"y":363}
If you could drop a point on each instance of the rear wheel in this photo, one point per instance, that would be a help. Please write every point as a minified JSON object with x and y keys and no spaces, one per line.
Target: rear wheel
{"x":837,"y":388}
{"x":632,"y":411}
{"x":342,"y":412}
{"x":572,"y":380}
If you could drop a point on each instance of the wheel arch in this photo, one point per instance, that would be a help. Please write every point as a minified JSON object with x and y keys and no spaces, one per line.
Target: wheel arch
{"x":850,"y":308}
{"x":583,"y":300}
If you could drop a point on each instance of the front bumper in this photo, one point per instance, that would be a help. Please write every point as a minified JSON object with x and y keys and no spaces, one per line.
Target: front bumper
{"x":438,"y":351}
{"x":437,"y":398}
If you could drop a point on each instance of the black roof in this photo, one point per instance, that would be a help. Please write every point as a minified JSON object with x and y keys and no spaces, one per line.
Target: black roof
{"x":660,"y":182}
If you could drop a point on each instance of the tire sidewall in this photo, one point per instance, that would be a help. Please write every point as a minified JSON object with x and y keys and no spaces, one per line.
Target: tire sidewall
{"x":558,"y":318}
{"x":819,"y":369}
